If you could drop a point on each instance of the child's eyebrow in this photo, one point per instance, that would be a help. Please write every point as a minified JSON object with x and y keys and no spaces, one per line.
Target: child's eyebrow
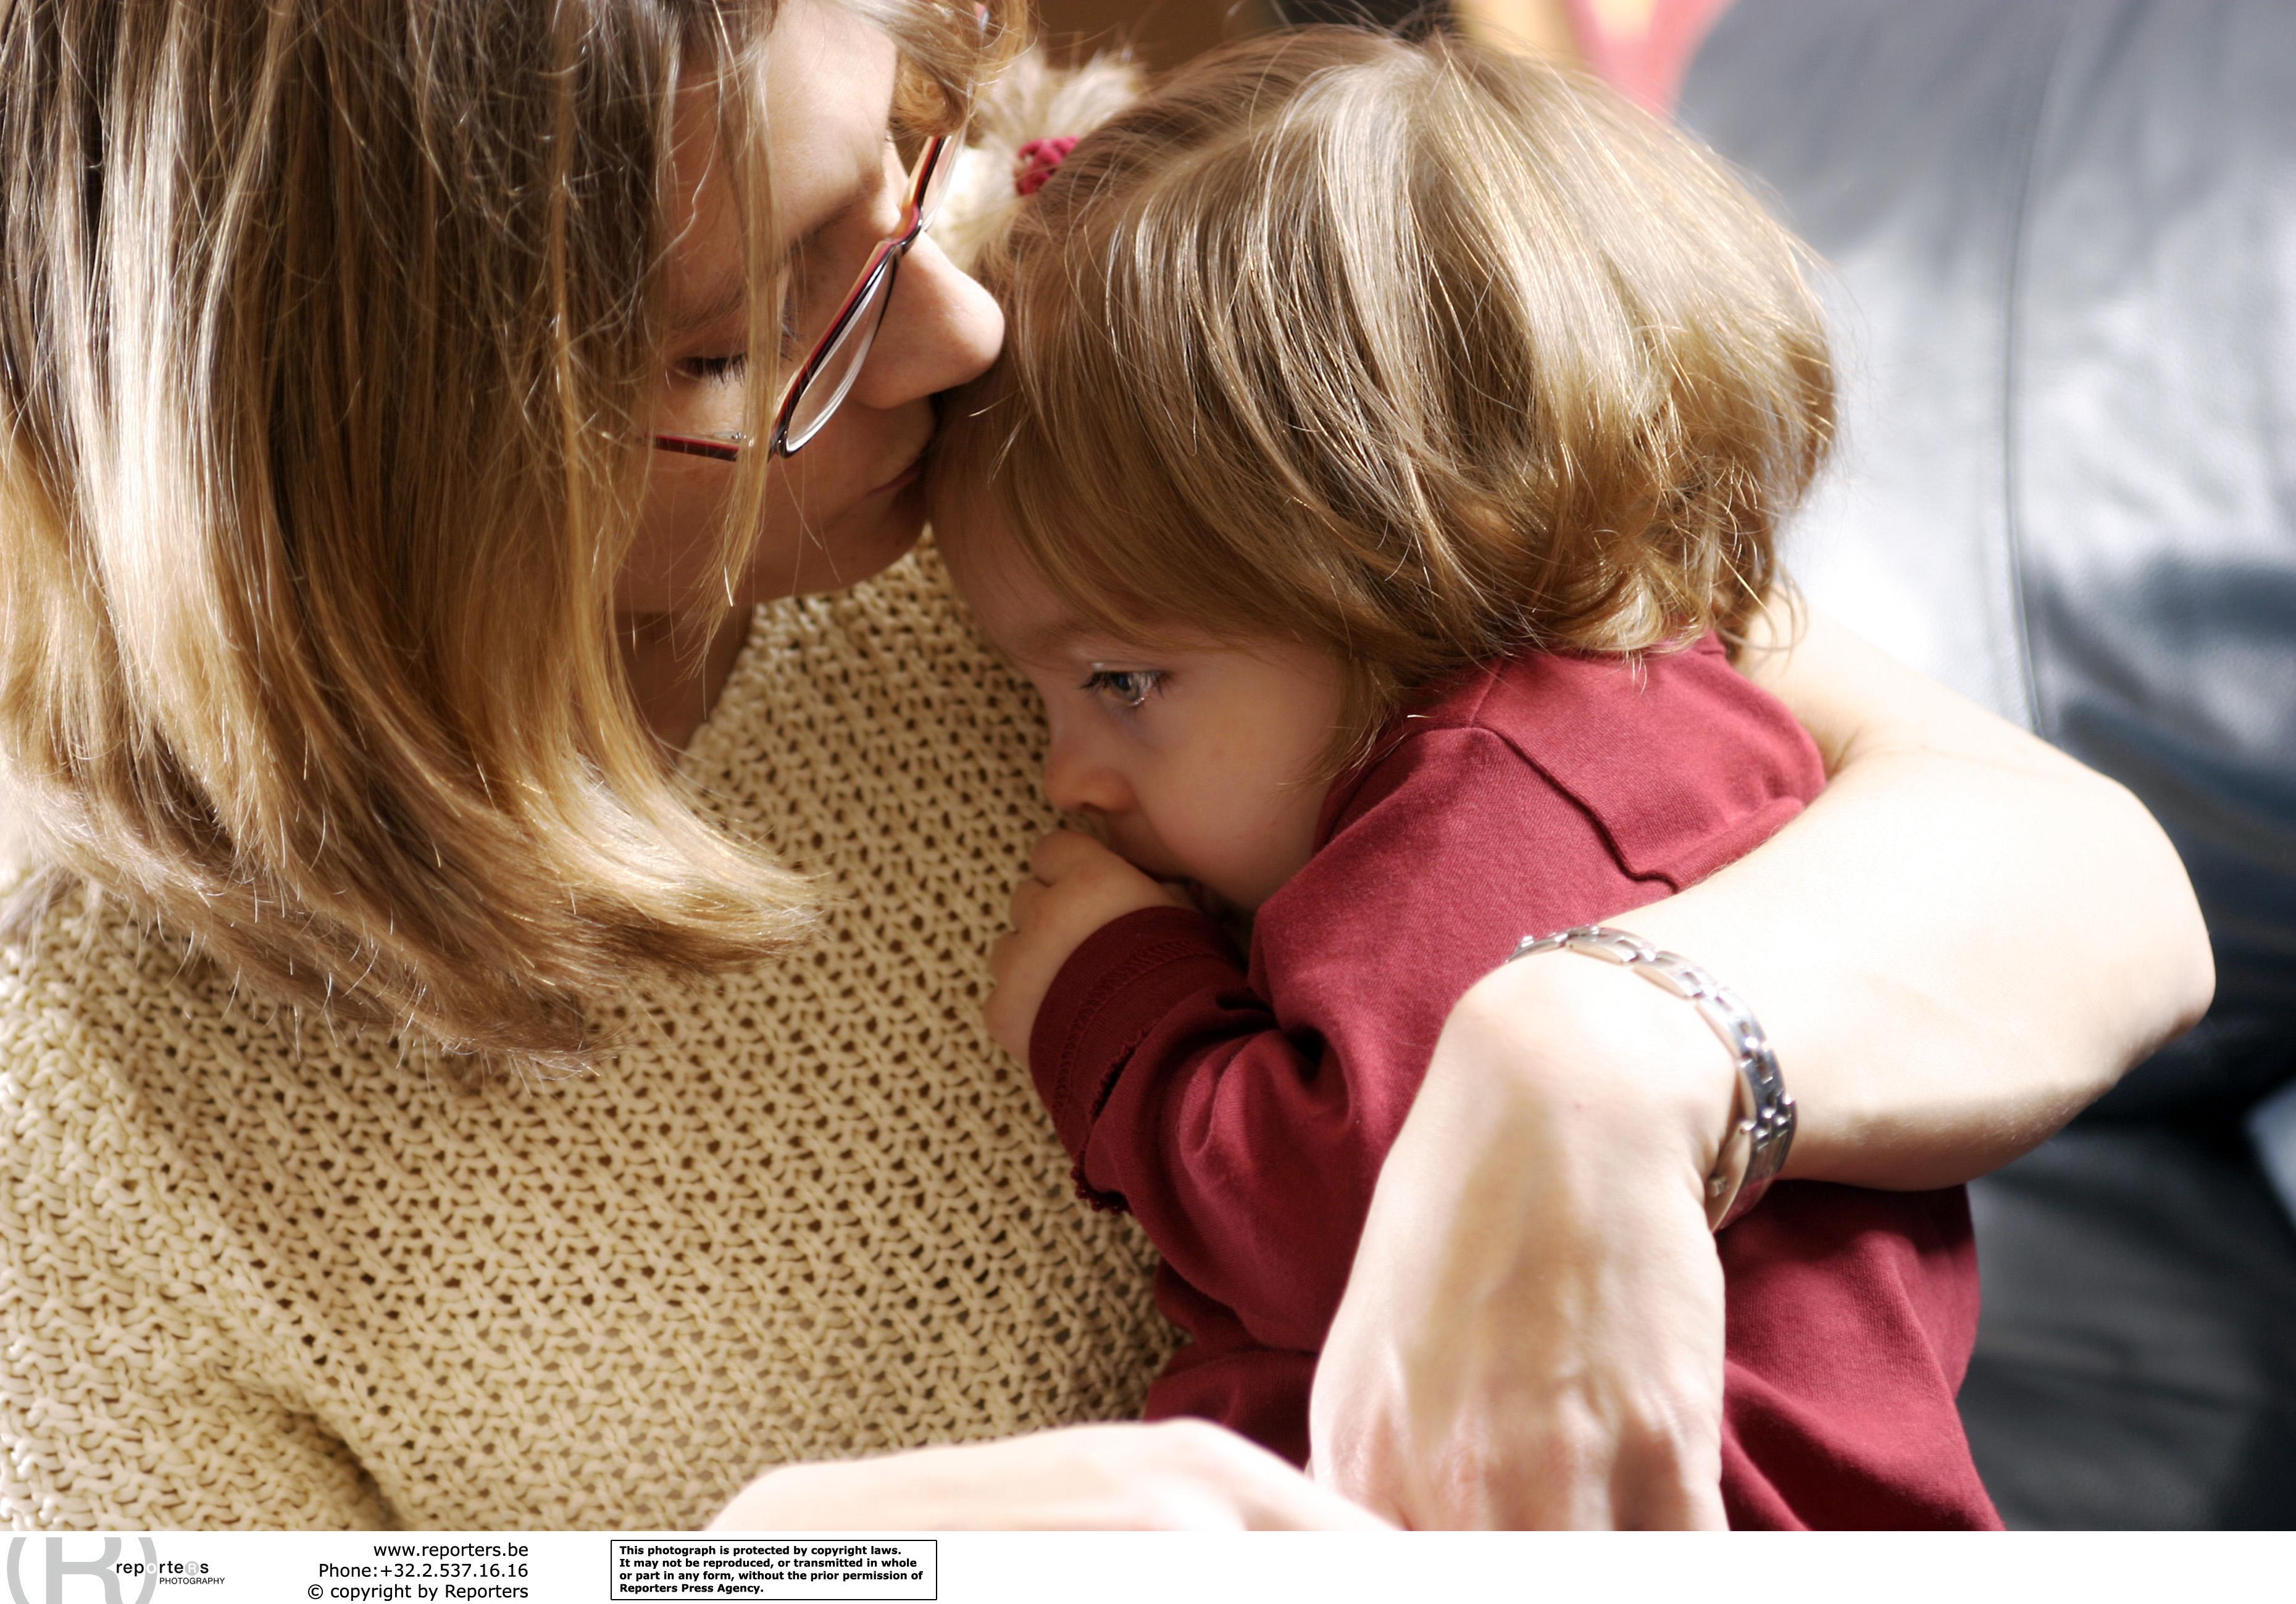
{"x":1041,"y":644}
{"x":1048,"y":644}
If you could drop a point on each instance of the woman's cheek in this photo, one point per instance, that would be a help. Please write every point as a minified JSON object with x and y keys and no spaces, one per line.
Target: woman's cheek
{"x":677,"y":542}
{"x":828,"y":522}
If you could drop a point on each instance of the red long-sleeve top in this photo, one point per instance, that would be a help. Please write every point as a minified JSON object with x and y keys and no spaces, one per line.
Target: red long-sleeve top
{"x":1243,"y":1112}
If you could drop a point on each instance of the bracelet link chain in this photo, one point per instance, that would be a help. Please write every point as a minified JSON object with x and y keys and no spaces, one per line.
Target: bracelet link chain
{"x":1761,"y":1128}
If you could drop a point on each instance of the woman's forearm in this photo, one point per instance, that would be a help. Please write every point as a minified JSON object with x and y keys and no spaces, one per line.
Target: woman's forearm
{"x":1960,"y":945}
{"x":1957,"y":945}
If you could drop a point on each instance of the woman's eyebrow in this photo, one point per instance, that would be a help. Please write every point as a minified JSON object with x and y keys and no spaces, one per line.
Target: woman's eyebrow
{"x":866,"y":178}
{"x":853,"y":195}
{"x":713,"y":307}
{"x":727,"y":296}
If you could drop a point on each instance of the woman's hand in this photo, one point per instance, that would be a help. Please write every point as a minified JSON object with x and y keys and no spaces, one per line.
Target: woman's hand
{"x":1178,"y":1475}
{"x":1532,"y":1333}
{"x":1075,"y":886}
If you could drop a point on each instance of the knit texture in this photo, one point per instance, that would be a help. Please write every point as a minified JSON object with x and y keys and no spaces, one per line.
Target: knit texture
{"x":253,"y":1273}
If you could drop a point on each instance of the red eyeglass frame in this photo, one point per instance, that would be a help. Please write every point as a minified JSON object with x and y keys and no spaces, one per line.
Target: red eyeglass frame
{"x":873,"y":288}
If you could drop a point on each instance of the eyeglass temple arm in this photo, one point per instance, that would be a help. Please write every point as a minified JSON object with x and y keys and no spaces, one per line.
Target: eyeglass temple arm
{"x":716,"y":451}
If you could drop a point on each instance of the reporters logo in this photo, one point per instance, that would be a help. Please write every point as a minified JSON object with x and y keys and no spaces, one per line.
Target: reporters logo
{"x":86,"y":1580}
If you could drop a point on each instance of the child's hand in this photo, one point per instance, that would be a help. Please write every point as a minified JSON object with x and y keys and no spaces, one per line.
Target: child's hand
{"x":1075,"y":886}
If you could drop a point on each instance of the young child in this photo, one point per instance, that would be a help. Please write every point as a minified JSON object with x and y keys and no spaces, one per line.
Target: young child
{"x":1389,"y":440}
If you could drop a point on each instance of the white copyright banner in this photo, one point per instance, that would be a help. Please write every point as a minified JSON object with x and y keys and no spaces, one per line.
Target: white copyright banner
{"x":1087,"y":1568}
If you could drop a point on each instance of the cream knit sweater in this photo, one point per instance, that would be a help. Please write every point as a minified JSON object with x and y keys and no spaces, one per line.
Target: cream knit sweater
{"x":252,"y":1279}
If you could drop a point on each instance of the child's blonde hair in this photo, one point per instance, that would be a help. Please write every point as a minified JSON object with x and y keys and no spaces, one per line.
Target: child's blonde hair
{"x":1419,"y":353}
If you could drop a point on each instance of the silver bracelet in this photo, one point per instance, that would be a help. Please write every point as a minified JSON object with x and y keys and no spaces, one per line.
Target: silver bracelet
{"x":1762,"y":1121}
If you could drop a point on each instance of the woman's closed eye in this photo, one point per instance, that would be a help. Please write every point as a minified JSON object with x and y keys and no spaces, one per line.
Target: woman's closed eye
{"x":728,"y":367}
{"x":1127,"y":688}
{"x":714,"y":370}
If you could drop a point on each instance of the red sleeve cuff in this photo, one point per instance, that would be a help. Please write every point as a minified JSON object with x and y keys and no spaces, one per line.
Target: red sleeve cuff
{"x":1116,"y":987}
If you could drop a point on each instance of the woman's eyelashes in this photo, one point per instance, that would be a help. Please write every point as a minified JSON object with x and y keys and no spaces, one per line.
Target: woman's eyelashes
{"x":1127,"y":688}
{"x":729,"y":366}
{"x":714,"y":370}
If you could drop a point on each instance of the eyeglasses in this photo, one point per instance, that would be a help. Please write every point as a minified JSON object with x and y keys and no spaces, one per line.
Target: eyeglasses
{"x":822,"y":383}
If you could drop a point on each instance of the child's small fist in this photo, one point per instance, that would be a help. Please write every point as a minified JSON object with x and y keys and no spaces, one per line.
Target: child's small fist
{"x":1076,"y":885}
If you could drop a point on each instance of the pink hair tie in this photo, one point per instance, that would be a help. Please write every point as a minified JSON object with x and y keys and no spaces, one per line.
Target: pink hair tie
{"x":1038,"y":160}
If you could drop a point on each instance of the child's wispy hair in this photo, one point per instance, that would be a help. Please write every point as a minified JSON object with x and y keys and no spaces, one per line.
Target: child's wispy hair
{"x":1420,"y":353}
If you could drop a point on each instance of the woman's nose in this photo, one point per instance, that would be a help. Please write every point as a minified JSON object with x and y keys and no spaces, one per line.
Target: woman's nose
{"x":940,"y":330}
{"x":1077,"y":780}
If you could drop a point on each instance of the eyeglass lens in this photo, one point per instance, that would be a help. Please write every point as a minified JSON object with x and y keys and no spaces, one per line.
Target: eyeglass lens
{"x":834,"y":375}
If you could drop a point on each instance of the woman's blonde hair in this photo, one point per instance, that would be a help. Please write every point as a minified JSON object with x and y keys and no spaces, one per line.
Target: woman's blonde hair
{"x":328,"y":336}
{"x":1417,"y":353}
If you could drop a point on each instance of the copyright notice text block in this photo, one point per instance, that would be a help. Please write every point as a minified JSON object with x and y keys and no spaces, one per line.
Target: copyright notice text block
{"x":723,"y":1570}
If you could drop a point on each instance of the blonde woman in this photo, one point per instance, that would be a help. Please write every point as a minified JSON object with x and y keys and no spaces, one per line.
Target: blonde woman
{"x":487,"y":1030}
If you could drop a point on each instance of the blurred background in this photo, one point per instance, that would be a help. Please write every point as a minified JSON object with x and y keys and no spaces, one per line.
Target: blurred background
{"x":1639,"y":45}
{"x":2058,"y":248}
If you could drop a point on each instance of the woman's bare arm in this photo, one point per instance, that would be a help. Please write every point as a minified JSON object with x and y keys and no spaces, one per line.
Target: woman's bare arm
{"x":1961,"y":942}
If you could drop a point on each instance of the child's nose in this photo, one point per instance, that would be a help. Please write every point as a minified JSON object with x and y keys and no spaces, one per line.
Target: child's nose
{"x":1077,"y":780}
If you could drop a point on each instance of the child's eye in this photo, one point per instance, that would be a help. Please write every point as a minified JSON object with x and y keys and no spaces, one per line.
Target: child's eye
{"x":1129,"y":688}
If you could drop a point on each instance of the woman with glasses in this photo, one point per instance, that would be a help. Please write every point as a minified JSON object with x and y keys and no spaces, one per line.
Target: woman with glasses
{"x":500,"y":847}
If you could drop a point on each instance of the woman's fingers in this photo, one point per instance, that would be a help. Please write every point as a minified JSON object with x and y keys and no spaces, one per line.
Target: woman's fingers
{"x":1532,"y":1332}
{"x":1666,"y":1481}
{"x":1245,"y":1483}
{"x":1530,"y":1408}
{"x":1181,"y":1474}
